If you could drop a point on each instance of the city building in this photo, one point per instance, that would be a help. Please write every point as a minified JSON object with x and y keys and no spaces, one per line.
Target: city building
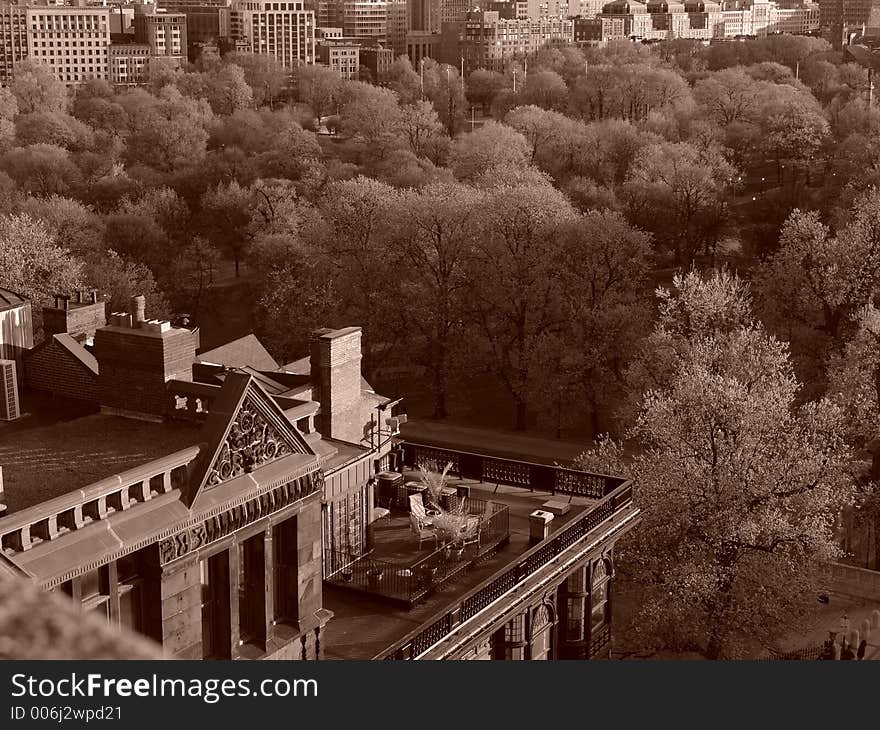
{"x":486,"y":40}
{"x":208,"y":23}
{"x":72,"y":40}
{"x":227,"y":506}
{"x":705,"y":20}
{"x":378,"y":59}
{"x":597,"y":31}
{"x":13,"y":39}
{"x":164,"y":32}
{"x":341,"y":56}
{"x":129,"y":61}
{"x":284,"y":30}
{"x":839,"y":19}
{"x":376,"y":21}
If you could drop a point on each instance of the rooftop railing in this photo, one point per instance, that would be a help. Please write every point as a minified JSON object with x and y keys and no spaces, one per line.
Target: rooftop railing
{"x":22,"y":530}
{"x":614,"y":499}
{"x":512,"y":472}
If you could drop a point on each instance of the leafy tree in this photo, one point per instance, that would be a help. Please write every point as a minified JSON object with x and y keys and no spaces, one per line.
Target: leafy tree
{"x":436,"y":233}
{"x":517,"y":307}
{"x":371,"y":115}
{"x":31,"y":263}
{"x":738,"y":487}
{"x":37,"y":89}
{"x":794,"y":128}
{"x":603,"y":266}
{"x":679,"y":193}
{"x":358,"y":251}
{"x":320,"y":88}
{"x":55,"y":128}
{"x":423,"y":131}
{"x":813,"y":288}
{"x":491,"y":146}
{"x":297,"y":298}
{"x":41,"y":169}
{"x":138,"y":238}
{"x":730,"y":96}
{"x":483,"y":86}
{"x":545,"y":89}
{"x":167,"y":132}
{"x":264,"y":74}
{"x":72,"y":225}
{"x":443,"y":86}
{"x":404,"y":81}
{"x":119,"y":279}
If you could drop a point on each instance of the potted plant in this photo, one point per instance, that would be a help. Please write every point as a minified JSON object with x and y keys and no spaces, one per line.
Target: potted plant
{"x":374,"y":575}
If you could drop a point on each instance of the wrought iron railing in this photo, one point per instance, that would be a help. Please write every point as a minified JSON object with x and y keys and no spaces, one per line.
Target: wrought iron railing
{"x":411,"y":583}
{"x":807,"y":653}
{"x":417,"y":642}
{"x":527,"y":475}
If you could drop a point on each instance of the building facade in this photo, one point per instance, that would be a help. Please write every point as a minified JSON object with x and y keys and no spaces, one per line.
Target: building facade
{"x":486,"y":40}
{"x":284,"y":30}
{"x":129,"y":62}
{"x":226,"y":506}
{"x":340,"y":56}
{"x":164,"y":32}
{"x":72,"y":41}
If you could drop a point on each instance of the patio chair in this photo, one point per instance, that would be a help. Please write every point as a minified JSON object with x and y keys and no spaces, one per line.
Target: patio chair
{"x":421,"y":532}
{"x":471,"y":533}
{"x":417,"y":509}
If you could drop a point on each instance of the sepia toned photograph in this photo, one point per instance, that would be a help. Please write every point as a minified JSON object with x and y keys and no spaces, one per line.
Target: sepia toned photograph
{"x":406,"y":330}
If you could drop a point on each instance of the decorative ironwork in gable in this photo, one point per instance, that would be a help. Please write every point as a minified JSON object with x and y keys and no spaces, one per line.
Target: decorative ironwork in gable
{"x":252,"y":442}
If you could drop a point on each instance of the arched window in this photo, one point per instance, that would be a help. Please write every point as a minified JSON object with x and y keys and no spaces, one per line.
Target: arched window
{"x":599,"y":595}
{"x":542,"y":632}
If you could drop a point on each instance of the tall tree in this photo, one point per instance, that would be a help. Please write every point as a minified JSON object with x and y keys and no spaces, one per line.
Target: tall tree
{"x":37,"y":89}
{"x":436,"y":230}
{"x":739,"y":487}
{"x":30,"y":261}
{"x":516,"y":307}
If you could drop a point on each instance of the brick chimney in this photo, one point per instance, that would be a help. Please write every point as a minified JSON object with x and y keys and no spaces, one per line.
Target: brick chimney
{"x":137,"y":357}
{"x":335,"y":361}
{"x":78,"y":315}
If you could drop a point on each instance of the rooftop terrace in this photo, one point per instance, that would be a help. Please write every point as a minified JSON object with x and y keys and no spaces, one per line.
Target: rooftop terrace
{"x":371,"y":619}
{"x":363,"y":625}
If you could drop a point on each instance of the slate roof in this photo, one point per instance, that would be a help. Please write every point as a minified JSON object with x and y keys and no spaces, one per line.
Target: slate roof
{"x":246,"y":351}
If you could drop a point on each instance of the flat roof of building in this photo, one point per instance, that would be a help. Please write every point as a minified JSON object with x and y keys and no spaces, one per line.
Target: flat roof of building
{"x":363,"y":625}
{"x":50,"y":452}
{"x":10,"y":300}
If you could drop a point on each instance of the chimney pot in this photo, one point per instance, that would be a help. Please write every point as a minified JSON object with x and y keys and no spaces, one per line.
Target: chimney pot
{"x":94,"y":296}
{"x":138,"y":309}
{"x":65,"y":302}
{"x":79,"y":297}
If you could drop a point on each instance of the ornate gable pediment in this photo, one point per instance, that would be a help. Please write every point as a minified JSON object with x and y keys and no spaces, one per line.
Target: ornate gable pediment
{"x":245,"y":430}
{"x":252,"y":441}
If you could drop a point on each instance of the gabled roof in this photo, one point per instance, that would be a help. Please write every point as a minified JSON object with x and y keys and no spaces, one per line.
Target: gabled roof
{"x":78,"y":351}
{"x":246,"y":351}
{"x":245,"y":431}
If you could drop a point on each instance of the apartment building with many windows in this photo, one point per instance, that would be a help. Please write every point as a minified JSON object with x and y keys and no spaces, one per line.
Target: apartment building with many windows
{"x":284,"y":30}
{"x":72,"y":41}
